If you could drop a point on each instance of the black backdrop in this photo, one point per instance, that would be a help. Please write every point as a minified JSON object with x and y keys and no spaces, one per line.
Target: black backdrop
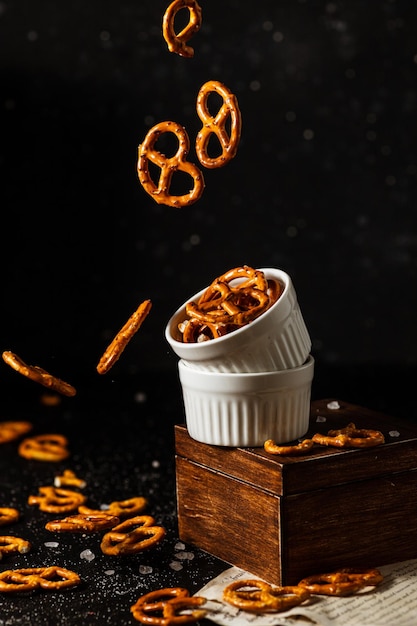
{"x":323,"y":184}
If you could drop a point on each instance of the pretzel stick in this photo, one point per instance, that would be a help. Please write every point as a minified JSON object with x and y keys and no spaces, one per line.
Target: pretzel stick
{"x":125,"y":334}
{"x":37,"y":374}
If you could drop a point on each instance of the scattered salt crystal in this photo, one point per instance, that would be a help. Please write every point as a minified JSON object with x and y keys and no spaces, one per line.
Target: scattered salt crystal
{"x":184,"y":556}
{"x":156,"y":463}
{"x":145,"y":569}
{"x":175,"y":565}
{"x":51,"y":544}
{"x":109,"y":572}
{"x":179,"y":545}
{"x":394,"y":433}
{"x":333,"y":405}
{"x":140,"y":397}
{"x":320,"y":418}
{"x":87,"y":555}
{"x":104,"y":507}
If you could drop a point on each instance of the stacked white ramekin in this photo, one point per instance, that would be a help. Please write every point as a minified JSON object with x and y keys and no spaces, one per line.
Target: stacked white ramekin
{"x":252,"y":384}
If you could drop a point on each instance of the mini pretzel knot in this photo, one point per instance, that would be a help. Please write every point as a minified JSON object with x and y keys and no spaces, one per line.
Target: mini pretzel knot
{"x":164,"y":607}
{"x":177,"y":42}
{"x":257,"y":596}
{"x":350,"y":437}
{"x":343,"y":582}
{"x":27,"y":579}
{"x":131,"y":536}
{"x":56,"y":500}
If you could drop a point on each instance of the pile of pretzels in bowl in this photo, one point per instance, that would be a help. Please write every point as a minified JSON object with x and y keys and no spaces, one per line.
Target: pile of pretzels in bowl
{"x":245,"y":366}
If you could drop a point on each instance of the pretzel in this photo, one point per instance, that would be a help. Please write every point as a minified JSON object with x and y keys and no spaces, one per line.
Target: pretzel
{"x":120,"y":508}
{"x":8,"y":515}
{"x":46,"y":447}
{"x":13,"y":430}
{"x":30,"y":578}
{"x":56,"y":500}
{"x":301,"y":448}
{"x":350,"y":437}
{"x":217,"y":125}
{"x":232,"y":300}
{"x":344,"y":582}
{"x":177,"y":42}
{"x":125,"y":334}
{"x":82,"y":523}
{"x":257,"y":596}
{"x":38,"y":375}
{"x":69,"y":479}
{"x":162,"y":607}
{"x":131,"y":536}
{"x":168,"y":165}
{"x":10,"y":543}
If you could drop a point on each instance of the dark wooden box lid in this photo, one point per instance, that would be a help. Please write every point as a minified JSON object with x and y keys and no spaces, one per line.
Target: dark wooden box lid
{"x":323,"y":466}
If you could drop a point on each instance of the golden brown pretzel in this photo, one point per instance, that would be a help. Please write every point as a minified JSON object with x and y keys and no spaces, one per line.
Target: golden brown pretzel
{"x":82,"y":523}
{"x":257,"y":596}
{"x":45,"y":447}
{"x":177,"y":42}
{"x":30,"y":578}
{"x":343,"y":582}
{"x":301,"y":448}
{"x":120,"y":508}
{"x":125,"y":334}
{"x":10,"y":543}
{"x":8,"y":515}
{"x":69,"y":479}
{"x":131,"y":536}
{"x":218,"y":125}
{"x":11,"y":430}
{"x":55,"y":500}
{"x":162,"y":607}
{"x":38,"y":375}
{"x":350,"y":437}
{"x":168,"y":165}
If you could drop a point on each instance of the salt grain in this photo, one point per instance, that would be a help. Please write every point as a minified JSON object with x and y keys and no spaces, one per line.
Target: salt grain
{"x":320,"y":418}
{"x":333,"y":405}
{"x":51,"y":544}
{"x":175,"y":565}
{"x":145,"y":569}
{"x":394,"y":433}
{"x":179,"y":546}
{"x":109,"y":572}
{"x":87,"y":555}
{"x":185,"y":556}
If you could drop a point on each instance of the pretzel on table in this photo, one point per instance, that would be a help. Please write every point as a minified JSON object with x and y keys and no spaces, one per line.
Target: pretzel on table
{"x":177,"y":42}
{"x":120,"y":508}
{"x":37,"y":374}
{"x":13,"y":429}
{"x":45,"y":447}
{"x":125,"y":334}
{"x":51,"y":578}
{"x":131,"y":536}
{"x":161,"y":192}
{"x":163,"y":607}
{"x":218,"y":125}
{"x":83,"y":523}
{"x":10,"y":543}
{"x":8,"y":515}
{"x":55,"y":500}
{"x":68,"y":478}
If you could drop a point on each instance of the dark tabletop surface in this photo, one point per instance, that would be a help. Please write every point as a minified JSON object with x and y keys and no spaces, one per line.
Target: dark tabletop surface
{"x":121,"y":437}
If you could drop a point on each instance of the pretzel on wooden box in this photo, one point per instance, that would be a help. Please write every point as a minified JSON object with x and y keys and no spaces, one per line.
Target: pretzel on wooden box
{"x":13,"y":429}
{"x":257,"y":596}
{"x":10,"y":543}
{"x":51,"y":578}
{"x":163,"y":607}
{"x":8,"y":515}
{"x":38,"y":375}
{"x":343,"y":582}
{"x":177,"y":42}
{"x":45,"y":447}
{"x":82,"y":523}
{"x":55,"y":500}
{"x":168,"y":166}
{"x":125,"y":334}
{"x":217,"y":125}
{"x":120,"y":508}
{"x":297,"y":449}
{"x":350,"y":437}
{"x":131,"y":536}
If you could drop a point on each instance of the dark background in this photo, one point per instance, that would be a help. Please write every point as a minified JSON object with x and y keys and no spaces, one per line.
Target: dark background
{"x":323,"y":185}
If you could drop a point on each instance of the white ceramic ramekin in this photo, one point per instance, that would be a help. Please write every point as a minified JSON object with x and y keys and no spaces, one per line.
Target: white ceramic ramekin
{"x":244,"y":410}
{"x":276,"y":340}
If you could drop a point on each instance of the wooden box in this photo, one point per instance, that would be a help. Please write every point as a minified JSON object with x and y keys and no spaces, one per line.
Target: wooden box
{"x":284,"y":518}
